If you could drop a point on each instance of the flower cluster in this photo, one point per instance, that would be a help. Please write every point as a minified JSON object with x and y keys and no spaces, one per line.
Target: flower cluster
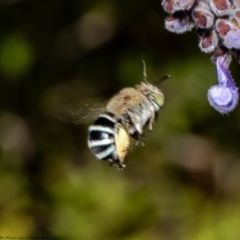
{"x":218,"y":27}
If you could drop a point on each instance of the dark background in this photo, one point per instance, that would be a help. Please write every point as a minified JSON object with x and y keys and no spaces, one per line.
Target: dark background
{"x":57,"y":54}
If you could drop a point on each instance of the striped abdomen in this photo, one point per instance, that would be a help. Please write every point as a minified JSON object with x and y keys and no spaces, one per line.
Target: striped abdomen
{"x":101,"y":137}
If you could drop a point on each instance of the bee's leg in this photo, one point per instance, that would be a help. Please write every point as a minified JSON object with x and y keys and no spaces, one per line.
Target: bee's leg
{"x":150,"y":122}
{"x":117,"y":164}
{"x":143,"y":140}
{"x":140,"y":138}
{"x":135,"y":136}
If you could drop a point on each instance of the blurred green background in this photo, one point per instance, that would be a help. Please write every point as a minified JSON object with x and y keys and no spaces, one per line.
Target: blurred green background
{"x":184,"y":185}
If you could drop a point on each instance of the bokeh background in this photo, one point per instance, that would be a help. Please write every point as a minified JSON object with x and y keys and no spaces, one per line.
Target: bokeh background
{"x":183,"y":185}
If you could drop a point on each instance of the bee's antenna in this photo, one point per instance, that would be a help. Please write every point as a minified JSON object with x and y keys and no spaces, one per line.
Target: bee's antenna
{"x":161,"y":79}
{"x":144,"y":71}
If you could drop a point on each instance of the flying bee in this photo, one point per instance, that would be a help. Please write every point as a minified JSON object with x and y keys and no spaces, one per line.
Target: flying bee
{"x":126,"y":115}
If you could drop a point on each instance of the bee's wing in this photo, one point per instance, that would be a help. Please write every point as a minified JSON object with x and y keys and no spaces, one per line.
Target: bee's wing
{"x":66,"y":102}
{"x":83,"y":112}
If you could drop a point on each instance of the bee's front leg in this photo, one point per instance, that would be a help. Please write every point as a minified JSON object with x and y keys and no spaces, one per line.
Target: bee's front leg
{"x":151,"y":121}
{"x":150,"y":126}
{"x":143,"y":140}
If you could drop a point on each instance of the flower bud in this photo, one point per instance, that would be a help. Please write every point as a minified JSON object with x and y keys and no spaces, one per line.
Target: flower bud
{"x":223,"y":27}
{"x":235,"y":19}
{"x":220,"y":7}
{"x":236,"y":3}
{"x":168,"y":6}
{"x":202,"y":15}
{"x":208,"y":40}
{"x":178,"y":23}
{"x":224,"y":96}
{"x":172,"y":6}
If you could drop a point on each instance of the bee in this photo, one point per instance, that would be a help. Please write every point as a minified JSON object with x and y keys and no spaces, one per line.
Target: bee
{"x":126,"y":116}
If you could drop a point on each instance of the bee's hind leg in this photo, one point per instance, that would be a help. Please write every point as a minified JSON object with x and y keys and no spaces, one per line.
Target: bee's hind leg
{"x":118,"y":165}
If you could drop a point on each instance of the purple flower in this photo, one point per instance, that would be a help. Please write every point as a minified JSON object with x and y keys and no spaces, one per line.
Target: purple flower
{"x":220,"y":7}
{"x":216,"y":16}
{"x":178,"y":23}
{"x":172,"y":6}
{"x":218,"y":27}
{"x":202,"y":15}
{"x":208,"y":40}
{"x":224,"y":96}
{"x":232,"y":39}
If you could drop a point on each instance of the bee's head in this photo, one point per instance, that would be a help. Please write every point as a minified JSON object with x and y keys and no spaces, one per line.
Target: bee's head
{"x":157,"y":97}
{"x":151,"y":91}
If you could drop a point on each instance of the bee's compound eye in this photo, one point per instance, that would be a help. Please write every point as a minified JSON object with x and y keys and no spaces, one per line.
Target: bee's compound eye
{"x":157,"y":98}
